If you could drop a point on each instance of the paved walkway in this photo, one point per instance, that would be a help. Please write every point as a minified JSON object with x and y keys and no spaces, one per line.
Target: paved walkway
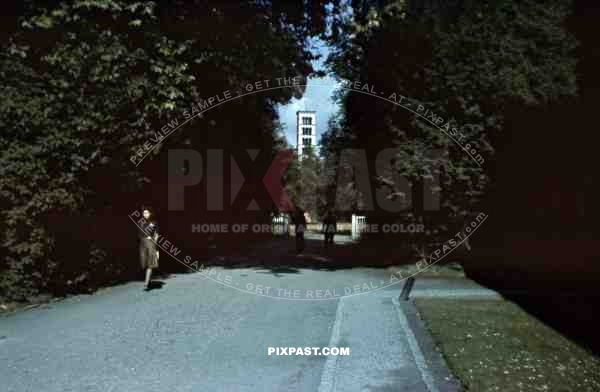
{"x":197,"y":335}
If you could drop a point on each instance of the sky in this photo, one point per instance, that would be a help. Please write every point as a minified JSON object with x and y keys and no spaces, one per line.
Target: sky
{"x":317,"y":97}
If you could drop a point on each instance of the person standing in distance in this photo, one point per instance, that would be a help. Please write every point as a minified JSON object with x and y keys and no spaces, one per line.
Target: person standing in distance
{"x":300,"y":226}
{"x":329,"y":227}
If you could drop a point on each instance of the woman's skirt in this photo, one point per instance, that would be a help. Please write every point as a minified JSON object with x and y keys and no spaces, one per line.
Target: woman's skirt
{"x":148,"y":256}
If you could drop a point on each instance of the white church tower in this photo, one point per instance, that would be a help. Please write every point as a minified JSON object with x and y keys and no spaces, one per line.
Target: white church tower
{"x":306,"y":131}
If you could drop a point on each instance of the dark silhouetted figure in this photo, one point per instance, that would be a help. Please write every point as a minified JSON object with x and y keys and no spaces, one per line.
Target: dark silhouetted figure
{"x":300,"y":227}
{"x":329,"y":227}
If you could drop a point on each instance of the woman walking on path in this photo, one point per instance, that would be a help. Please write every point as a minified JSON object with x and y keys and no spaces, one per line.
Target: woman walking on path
{"x":148,"y":248}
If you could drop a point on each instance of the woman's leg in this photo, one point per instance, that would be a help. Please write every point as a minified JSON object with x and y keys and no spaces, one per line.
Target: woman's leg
{"x":148,"y":276}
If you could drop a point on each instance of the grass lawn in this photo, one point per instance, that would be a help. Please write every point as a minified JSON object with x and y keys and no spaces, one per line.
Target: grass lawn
{"x":493,"y":345}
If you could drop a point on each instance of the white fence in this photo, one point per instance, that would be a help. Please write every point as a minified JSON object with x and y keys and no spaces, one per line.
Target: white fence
{"x":280,"y":224}
{"x":358,"y":224}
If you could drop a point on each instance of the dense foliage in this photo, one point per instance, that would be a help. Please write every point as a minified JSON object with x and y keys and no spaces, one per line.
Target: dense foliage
{"x":86,"y":83}
{"x":478,"y":65}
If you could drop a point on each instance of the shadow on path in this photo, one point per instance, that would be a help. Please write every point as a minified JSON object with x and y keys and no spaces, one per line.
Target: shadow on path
{"x":155,"y":285}
{"x":280,"y":255}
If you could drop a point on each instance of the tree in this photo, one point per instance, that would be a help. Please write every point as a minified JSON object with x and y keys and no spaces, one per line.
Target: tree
{"x":476,"y":65}
{"x":87,"y":83}
{"x":301,"y":182}
{"x":338,"y":193}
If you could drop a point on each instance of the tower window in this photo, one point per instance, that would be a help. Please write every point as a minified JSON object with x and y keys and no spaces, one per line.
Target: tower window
{"x":306,"y":121}
{"x":306,"y":131}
